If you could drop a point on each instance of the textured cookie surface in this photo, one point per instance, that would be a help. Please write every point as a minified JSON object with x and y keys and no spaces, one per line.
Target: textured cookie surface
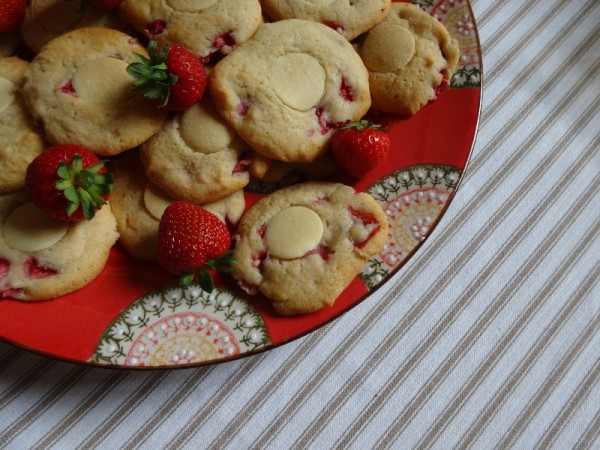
{"x":20,"y":141}
{"x":350,"y":19}
{"x":302,"y":245}
{"x":48,"y":19}
{"x":208,"y":28}
{"x":197,"y":156}
{"x":41,"y":259}
{"x":78,"y":89}
{"x":287,"y":88}
{"x":138,"y":204}
{"x":410,"y":56}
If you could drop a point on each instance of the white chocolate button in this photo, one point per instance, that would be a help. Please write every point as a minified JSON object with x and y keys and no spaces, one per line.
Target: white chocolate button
{"x":388,"y":47}
{"x":292,"y":232}
{"x":203,"y":130}
{"x":56,"y":17}
{"x":103,"y":81}
{"x":156,"y":201}
{"x":192,"y":6}
{"x":298,"y":80}
{"x":30,"y":230}
{"x":7,"y":93}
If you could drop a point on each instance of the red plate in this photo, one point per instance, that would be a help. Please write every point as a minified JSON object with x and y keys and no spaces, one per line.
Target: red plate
{"x":133,"y":315}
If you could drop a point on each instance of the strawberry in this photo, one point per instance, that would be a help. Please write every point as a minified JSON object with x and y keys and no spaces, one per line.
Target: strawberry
{"x":68,"y":182}
{"x":360,"y":147}
{"x":12,"y":13}
{"x":192,"y":240}
{"x":172,"y":75}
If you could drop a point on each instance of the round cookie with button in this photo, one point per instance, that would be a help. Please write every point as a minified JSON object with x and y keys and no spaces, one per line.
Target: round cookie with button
{"x":41,"y":258}
{"x":210,"y":29}
{"x":77,"y":88}
{"x":197,"y":156}
{"x":139,"y":204}
{"x":302,"y":246}
{"x":20,"y":140}
{"x":48,"y":19}
{"x":410,"y":56}
{"x":350,"y":19}
{"x":289,"y":87}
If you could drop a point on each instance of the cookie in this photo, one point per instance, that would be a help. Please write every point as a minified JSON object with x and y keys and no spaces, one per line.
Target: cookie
{"x":302,"y":245}
{"x":196,"y":156}
{"x":78,"y":90}
{"x":287,"y":88}
{"x":208,"y":28}
{"x":9,"y":43}
{"x":268,"y":172}
{"x":41,"y":258}
{"x":350,"y":19}
{"x":48,"y":19}
{"x":20,"y":141}
{"x":411,"y":56}
{"x":138,"y":204}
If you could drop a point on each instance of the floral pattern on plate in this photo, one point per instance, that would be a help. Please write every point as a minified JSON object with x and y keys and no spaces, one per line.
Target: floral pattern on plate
{"x":176,"y":325}
{"x":413,"y":199}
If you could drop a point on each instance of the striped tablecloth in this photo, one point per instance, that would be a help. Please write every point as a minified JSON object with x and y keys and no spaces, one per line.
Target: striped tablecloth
{"x":488,"y":338}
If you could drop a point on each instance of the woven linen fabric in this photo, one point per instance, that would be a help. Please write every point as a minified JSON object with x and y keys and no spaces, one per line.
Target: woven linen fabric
{"x":488,"y":338}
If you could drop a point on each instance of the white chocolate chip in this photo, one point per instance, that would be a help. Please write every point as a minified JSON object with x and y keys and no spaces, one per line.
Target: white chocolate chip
{"x":103,"y":81}
{"x":156,"y":200}
{"x":298,"y":80}
{"x":28,"y":229}
{"x":7,"y":93}
{"x":203,"y":130}
{"x":292,"y":232}
{"x":388,"y":47}
{"x":192,"y":6}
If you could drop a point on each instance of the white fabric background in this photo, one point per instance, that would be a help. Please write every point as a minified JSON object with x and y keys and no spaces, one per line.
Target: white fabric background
{"x":489,"y":337}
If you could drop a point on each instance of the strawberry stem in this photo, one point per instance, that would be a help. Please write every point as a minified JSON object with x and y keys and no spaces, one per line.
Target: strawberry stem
{"x":222,"y":264}
{"x":363,"y":125}
{"x":152,"y":74}
{"x":83,"y":187}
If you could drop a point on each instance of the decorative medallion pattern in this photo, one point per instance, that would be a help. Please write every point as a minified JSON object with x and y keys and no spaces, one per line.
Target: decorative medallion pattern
{"x":413,"y":199}
{"x":177,"y":325}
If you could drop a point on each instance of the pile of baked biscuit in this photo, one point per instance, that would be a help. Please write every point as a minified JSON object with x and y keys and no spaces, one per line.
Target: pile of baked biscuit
{"x":283,"y":75}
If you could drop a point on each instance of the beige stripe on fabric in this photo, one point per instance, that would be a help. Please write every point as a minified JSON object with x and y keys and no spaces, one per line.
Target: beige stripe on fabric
{"x":66,"y":382}
{"x":134,"y":401}
{"x":572,"y":354}
{"x":496,"y":354}
{"x":25,"y":381}
{"x":590,"y":435}
{"x":204,"y":414}
{"x":476,"y":330}
{"x":398,"y":333}
{"x":9,"y":358}
{"x":321,"y":376}
{"x":94,"y":398}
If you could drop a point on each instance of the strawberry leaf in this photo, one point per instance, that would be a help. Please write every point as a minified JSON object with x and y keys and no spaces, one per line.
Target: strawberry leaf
{"x":205,"y":280}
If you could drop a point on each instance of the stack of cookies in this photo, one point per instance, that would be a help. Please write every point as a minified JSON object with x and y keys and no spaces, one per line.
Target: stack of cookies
{"x":283,"y":76}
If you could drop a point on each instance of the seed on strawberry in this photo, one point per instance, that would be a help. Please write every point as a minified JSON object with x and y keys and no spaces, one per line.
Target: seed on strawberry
{"x":68,"y":182}
{"x":12,"y":13}
{"x":192,"y":240}
{"x":172,"y":76}
{"x":360,"y":147}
